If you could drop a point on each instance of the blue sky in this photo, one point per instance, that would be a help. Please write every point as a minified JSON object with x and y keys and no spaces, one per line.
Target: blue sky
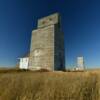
{"x":80,"y":24}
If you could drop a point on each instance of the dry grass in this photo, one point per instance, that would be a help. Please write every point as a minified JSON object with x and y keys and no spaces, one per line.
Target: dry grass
{"x":50,"y":86}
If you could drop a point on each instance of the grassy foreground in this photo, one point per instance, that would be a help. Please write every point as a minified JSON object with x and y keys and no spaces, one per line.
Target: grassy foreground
{"x":50,"y":85}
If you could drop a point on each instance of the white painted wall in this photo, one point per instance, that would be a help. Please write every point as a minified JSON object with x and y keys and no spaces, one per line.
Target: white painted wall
{"x":80,"y":62}
{"x":23,"y":64}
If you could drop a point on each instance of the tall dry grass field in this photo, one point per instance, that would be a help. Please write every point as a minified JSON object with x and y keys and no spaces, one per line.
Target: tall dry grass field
{"x":50,"y":86}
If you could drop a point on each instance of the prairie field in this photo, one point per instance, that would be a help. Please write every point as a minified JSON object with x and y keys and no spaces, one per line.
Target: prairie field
{"x":50,"y":85}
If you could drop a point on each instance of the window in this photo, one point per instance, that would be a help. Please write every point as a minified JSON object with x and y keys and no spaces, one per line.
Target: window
{"x":50,"y":19}
{"x":43,"y":22}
